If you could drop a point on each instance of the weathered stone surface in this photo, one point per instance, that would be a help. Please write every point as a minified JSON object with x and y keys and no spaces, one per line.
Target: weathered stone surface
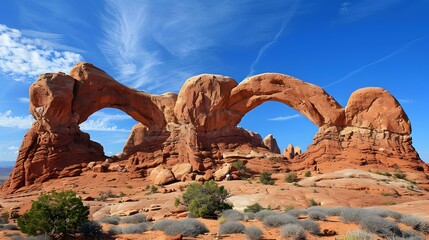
{"x":198,"y":127}
{"x":289,"y":152}
{"x":181,"y":169}
{"x":161,"y":175}
{"x":271,"y":143}
{"x":222,"y":172}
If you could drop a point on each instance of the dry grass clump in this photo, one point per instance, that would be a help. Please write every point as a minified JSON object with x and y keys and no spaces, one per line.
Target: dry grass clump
{"x":231,"y":227}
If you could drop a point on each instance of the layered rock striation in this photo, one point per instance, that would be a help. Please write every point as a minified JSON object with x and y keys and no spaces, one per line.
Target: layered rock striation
{"x":199,"y":126}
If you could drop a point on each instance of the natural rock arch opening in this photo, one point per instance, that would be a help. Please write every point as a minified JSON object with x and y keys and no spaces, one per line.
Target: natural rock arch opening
{"x":110,"y":128}
{"x":286,"y":125}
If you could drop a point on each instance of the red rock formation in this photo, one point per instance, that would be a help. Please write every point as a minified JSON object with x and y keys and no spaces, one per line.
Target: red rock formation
{"x":198,"y":126}
{"x":271,"y":143}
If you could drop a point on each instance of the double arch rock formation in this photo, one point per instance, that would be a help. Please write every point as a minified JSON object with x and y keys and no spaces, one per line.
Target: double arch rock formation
{"x":199,"y":125}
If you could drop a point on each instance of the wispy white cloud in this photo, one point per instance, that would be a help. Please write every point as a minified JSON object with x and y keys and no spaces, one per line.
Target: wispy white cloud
{"x":24,"y":100}
{"x":351,"y":11}
{"x":7,"y":119}
{"x":156,"y":45}
{"x":285,"y":118}
{"x":101,"y":121}
{"x":13,"y":148}
{"x":288,"y":16}
{"x":361,"y":68}
{"x":405,"y":100}
{"x":22,"y":58}
{"x":100,"y":124}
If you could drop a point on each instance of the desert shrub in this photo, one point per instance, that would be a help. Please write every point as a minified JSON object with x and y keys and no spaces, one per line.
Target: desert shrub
{"x":248,"y":216}
{"x":109,"y":220}
{"x":278,"y":220}
{"x":162,"y":224}
{"x":4,"y":217}
{"x":411,"y":234}
{"x":254,"y":208}
{"x":307,"y":174}
{"x":241,"y":168}
{"x":266,"y":179}
{"x":115,"y":230}
{"x":8,"y":227}
{"x":358,"y":235}
{"x":296,"y":212}
{"x":55,"y":214}
{"x":334,"y":211}
{"x":102,"y":195}
{"x":231,"y":227}
{"x":312,"y":202}
{"x":384,"y":213}
{"x":416,"y":223}
{"x":293,"y":231}
{"x":187,"y":227}
{"x":291,"y":177}
{"x":317,"y":215}
{"x":135,"y":228}
{"x":264,"y":213}
{"x":253,"y":233}
{"x":311,"y":226}
{"x":205,"y":200}
{"x":380,"y":226}
{"x":40,"y":237}
{"x":91,"y":230}
{"x":137,"y":218}
{"x":352,"y":215}
{"x":232,"y":215}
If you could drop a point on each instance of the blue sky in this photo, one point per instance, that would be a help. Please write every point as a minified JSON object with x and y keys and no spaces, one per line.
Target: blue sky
{"x":156,"y":45}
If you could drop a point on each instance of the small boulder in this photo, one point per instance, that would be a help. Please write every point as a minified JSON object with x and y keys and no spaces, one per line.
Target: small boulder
{"x":220,"y":174}
{"x":181,"y":169}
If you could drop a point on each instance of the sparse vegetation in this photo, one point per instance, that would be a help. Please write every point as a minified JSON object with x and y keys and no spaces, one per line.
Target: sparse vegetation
{"x":205,"y":200}
{"x":104,"y":195}
{"x":4,"y":217}
{"x":231,"y":227}
{"x":292,"y":177}
{"x":261,"y":215}
{"x":254,"y":208}
{"x":115,"y":230}
{"x":55,"y":214}
{"x":266,"y":179}
{"x":162,"y":224}
{"x":416,"y":223}
{"x":380,"y":226}
{"x":312,"y":202}
{"x":241,"y":168}
{"x":253,"y":233}
{"x":316,"y":215}
{"x":358,"y":235}
{"x":109,"y":219}
{"x":187,"y":227}
{"x":91,"y":230}
{"x":135,"y":228}
{"x":232,"y":215}
{"x":134,"y":219}
{"x":311,"y":226}
{"x":279,"y":220}
{"x":307,"y":174}
{"x":293,"y":231}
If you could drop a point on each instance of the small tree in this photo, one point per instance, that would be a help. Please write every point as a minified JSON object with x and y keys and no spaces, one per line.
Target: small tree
{"x":256,"y":207}
{"x":205,"y":200}
{"x":55,"y":214}
{"x":266,"y":179}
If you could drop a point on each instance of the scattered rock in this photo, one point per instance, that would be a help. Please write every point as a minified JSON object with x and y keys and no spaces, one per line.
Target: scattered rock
{"x":181,"y":169}
{"x":220,"y":174}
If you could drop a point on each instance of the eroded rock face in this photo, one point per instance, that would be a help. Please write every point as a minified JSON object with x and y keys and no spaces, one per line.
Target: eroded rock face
{"x":198,"y":127}
{"x":271,"y":143}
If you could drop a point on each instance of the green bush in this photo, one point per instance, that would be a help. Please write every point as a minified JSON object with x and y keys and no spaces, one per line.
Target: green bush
{"x":292,"y":177}
{"x":205,"y":200}
{"x":241,"y":168}
{"x":266,"y":179}
{"x":307,"y":174}
{"x":55,"y":214}
{"x":254,"y":208}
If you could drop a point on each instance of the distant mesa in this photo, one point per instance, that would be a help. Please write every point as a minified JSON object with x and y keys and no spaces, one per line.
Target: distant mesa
{"x":198,"y":126}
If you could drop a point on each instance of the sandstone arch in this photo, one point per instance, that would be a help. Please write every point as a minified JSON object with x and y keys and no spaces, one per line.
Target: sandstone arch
{"x":310,"y":100}
{"x":96,"y":90}
{"x":198,"y":125}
